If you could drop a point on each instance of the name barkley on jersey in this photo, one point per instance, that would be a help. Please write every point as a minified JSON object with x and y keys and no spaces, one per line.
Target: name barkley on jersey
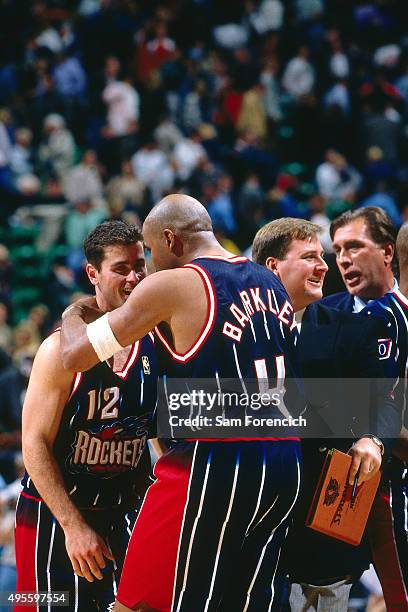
{"x":114,"y":449}
{"x":252,"y":302}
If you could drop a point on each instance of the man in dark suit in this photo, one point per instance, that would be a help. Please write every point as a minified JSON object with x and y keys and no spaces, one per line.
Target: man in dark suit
{"x":364,"y":244}
{"x":334,"y":346}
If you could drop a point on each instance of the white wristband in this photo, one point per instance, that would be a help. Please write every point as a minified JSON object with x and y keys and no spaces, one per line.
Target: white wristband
{"x":102,"y":338}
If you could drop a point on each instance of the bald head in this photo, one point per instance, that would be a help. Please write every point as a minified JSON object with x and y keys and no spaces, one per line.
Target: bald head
{"x":179,"y":213}
{"x":402,"y":249}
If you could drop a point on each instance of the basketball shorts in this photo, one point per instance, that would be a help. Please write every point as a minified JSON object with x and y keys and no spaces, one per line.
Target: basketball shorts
{"x":43,"y":563}
{"x":211,"y":527}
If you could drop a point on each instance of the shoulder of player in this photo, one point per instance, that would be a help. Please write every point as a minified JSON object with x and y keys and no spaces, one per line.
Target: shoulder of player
{"x":170,"y":280}
{"x":49,"y":355}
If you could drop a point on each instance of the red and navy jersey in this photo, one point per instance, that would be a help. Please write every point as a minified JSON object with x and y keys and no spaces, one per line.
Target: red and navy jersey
{"x":392,"y":308}
{"x":250,"y":331}
{"x":101,"y":444}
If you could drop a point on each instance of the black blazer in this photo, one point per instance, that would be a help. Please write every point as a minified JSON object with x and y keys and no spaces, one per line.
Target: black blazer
{"x":339,"y":350}
{"x":341,"y":301}
{"x":335,"y":345}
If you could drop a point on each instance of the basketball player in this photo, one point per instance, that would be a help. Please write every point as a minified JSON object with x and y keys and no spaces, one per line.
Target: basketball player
{"x":84,"y":438}
{"x":211,"y":527}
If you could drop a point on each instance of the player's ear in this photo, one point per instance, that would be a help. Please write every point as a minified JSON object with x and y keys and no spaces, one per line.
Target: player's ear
{"x":92,"y":273}
{"x":272,"y":264}
{"x":388,"y":250}
{"x":169,"y":238}
{"x":173,"y":242}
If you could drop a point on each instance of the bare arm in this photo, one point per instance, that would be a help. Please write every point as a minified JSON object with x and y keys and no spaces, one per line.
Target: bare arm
{"x":159,"y":446}
{"x":151,"y":302}
{"x":47,"y":394}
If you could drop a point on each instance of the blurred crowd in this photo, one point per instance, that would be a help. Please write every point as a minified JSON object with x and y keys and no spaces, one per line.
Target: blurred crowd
{"x":259,"y":108}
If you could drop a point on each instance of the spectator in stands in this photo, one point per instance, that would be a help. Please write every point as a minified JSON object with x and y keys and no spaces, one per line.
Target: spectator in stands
{"x":265,"y":16}
{"x":252,"y":116}
{"x":122,"y":101}
{"x":69,"y":78}
{"x":378,"y":130}
{"x":6,"y":270}
{"x":70,"y":83}
{"x":5,"y":157}
{"x":152,"y":54}
{"x":152,"y":167}
{"x":84,"y":181}
{"x":339,"y":65}
{"x":196,"y":106}
{"x":45,"y":99}
{"x":80,"y":220}
{"x":299,"y":77}
{"x":251,"y":199}
{"x":282,"y":198}
{"x":5,"y":330}
{"x":126,"y":191}
{"x":221,"y":207}
{"x":188,"y":155}
{"x":39,"y":318}
{"x":271,"y":90}
{"x":57,"y":149}
{"x":335,"y":177}
{"x":21,"y":156}
{"x":10,"y":415}
{"x":167,"y":134}
{"x":26,"y":340}
{"x":382,"y":197}
{"x":62,"y":285}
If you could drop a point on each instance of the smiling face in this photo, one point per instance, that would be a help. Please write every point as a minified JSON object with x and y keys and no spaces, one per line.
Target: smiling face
{"x":364,"y":265}
{"x":302,"y":271}
{"x":122,"y":268}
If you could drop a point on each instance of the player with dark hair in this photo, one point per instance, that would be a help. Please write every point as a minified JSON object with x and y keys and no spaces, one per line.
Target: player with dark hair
{"x":212,"y":525}
{"x":84,"y":445}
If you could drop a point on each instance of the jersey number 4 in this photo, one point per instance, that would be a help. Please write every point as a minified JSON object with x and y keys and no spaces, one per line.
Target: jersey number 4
{"x":264,"y":382}
{"x":110,"y":397}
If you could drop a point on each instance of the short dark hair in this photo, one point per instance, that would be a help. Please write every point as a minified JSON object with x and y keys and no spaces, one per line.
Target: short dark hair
{"x":379,"y":225}
{"x":274,"y":238}
{"x":106,"y":234}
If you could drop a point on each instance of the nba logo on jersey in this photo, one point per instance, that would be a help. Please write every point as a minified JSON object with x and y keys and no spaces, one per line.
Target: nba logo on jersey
{"x":146,"y":364}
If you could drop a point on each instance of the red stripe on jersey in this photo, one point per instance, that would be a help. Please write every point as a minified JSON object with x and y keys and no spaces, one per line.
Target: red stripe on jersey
{"x":77,"y":381}
{"x":233,"y":260}
{"x":208,"y":325}
{"x":133,"y":355}
{"x":242,"y":439}
{"x":24,"y":494}
{"x":26,"y":545}
{"x":384,"y":550}
{"x":153,"y":547}
{"x":400,"y":297}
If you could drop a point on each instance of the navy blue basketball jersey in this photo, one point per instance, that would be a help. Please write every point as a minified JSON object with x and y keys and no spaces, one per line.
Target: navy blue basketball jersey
{"x":250,"y":332}
{"x":393,"y":350}
{"x":101,"y":445}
